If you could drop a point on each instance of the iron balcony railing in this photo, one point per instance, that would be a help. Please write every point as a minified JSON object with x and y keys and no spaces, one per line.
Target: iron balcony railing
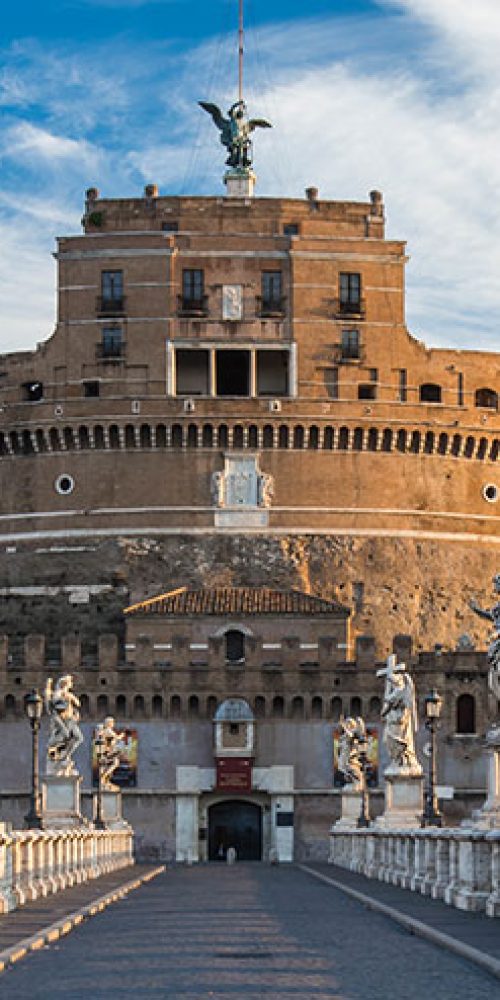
{"x":192,"y":306}
{"x":106,"y":306}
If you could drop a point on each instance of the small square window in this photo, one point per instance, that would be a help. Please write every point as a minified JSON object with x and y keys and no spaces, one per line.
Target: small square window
{"x":91,"y":389}
{"x":367,"y":391}
{"x":170,"y":227}
{"x":291,"y":229}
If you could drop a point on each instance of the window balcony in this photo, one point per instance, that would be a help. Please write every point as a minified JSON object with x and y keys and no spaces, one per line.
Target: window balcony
{"x":112,"y":353}
{"x":197,"y":307}
{"x":349,"y":353}
{"x":110,"y":306}
{"x":353,"y":308}
{"x":272,"y":308}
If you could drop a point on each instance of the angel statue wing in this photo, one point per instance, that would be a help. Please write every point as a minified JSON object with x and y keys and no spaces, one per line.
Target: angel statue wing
{"x":47,"y":695}
{"x":215,"y":112}
{"x":258,"y":123}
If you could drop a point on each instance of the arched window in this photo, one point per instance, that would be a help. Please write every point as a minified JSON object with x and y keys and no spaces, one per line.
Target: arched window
{"x":235,"y":646}
{"x":129,"y":436}
{"x":482,"y":448}
{"x":253,"y":436}
{"x":193,"y":706}
{"x":470,"y":444}
{"x":387,"y":440}
{"x":488,"y":398}
{"x":69,"y":438}
{"x":260,"y":707}
{"x":466,"y":714}
{"x":343,"y":439}
{"x":84,"y":706}
{"x":374,"y":708}
{"x":268,"y":436}
{"x":298,"y":436}
{"x":3,"y":446}
{"x":192,"y":436}
{"x":175,"y":706}
{"x":157,"y":706}
{"x":278,"y":707}
{"x":121,"y":706}
{"x":114,"y":436}
{"x":429,"y":443}
{"x":145,"y":436}
{"x":401,"y":441}
{"x":28,"y":448}
{"x":10,"y":705}
{"x":415,"y":442}
{"x":297,"y":707}
{"x":443,"y":444}
{"x":313,"y":441}
{"x":55,"y":443}
{"x":161,"y":436}
{"x":495,"y":448}
{"x":357,"y":442}
{"x":317,"y":707}
{"x":102,"y":706}
{"x":176,"y":436}
{"x":372,"y":439}
{"x":83,"y":438}
{"x":138,"y":706}
{"x":430,"y":392}
{"x":328,"y":440}
{"x":355,"y":706}
{"x":283,"y":436}
{"x":456,"y":445}
{"x":207,"y":436}
{"x":223,"y":436}
{"x":211,"y":706}
{"x":99,"y":437}
{"x":337,"y":709}
{"x":238,"y":436}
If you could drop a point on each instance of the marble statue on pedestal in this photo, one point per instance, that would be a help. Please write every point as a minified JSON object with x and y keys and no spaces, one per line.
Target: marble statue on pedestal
{"x":109,"y":745}
{"x":63,"y":708}
{"x":493,"y":615}
{"x":399,"y":713}
{"x":351,"y":743}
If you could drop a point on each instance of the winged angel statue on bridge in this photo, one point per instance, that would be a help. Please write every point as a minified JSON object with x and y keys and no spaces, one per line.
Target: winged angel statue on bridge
{"x":235,"y":131}
{"x":492,"y":615}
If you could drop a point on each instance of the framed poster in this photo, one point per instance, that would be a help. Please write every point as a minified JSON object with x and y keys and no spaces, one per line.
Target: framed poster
{"x":125,"y":775}
{"x":371,"y":757}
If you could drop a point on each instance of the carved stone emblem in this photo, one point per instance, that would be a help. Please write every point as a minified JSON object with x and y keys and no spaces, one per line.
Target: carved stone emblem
{"x":242,"y":484}
{"x":232,"y":302}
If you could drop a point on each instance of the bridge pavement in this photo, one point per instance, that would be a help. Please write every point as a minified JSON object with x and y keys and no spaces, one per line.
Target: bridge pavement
{"x":245,"y":931}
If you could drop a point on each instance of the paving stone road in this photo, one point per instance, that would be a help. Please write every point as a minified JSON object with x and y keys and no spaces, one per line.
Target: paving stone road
{"x":245,"y":931}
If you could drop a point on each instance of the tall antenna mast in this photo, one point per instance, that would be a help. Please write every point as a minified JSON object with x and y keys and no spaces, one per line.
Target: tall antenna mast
{"x":240,"y":51}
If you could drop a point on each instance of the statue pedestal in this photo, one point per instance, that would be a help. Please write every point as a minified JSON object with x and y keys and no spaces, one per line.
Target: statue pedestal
{"x":488,"y":817}
{"x":61,"y":801}
{"x":111,"y":809}
{"x":240,"y":183}
{"x":350,"y":808}
{"x":404,"y":800}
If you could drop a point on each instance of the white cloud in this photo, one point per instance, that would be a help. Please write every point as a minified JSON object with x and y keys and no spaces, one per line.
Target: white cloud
{"x":26,"y":141}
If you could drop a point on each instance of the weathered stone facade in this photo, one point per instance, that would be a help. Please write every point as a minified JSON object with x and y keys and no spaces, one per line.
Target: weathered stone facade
{"x":231,"y":398}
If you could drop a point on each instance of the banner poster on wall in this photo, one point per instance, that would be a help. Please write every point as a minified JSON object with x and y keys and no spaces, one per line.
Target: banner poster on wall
{"x":125,"y":775}
{"x":371,"y":757}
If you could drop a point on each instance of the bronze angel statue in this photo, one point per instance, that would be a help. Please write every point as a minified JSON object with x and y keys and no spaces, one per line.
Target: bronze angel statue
{"x":235,"y":131}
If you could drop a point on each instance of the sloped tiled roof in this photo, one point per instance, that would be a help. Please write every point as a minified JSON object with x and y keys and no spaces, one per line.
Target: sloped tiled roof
{"x":236,"y":601}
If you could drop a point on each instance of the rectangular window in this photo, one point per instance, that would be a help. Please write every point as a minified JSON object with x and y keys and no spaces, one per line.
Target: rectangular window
{"x":170,"y":227}
{"x":112,"y":342}
{"x":271,"y":287}
{"x":332,"y":382}
{"x":350,"y":291}
{"x":91,"y":389}
{"x":373,"y":374}
{"x":367,"y":390}
{"x":460,"y":389}
{"x":272,"y":373}
{"x":192,"y":290}
{"x":192,"y":373}
{"x":291,"y":229}
{"x":403,"y":385}
{"x":350,"y":345}
{"x":111,"y":290}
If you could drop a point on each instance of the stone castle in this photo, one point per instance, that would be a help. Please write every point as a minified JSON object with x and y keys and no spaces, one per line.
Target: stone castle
{"x":232,"y":409}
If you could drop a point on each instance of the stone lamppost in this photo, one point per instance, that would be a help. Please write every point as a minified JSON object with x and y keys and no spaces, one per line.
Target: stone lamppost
{"x":33,"y":706}
{"x":433,"y":705}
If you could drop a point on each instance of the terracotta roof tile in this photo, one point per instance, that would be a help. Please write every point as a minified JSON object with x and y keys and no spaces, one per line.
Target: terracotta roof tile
{"x":237,"y":601}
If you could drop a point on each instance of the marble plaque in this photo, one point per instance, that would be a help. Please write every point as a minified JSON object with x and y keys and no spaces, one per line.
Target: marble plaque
{"x":232,"y":302}
{"x":241,"y":518}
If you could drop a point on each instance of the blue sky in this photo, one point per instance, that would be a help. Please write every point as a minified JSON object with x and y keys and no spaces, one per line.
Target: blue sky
{"x":400,"y":95}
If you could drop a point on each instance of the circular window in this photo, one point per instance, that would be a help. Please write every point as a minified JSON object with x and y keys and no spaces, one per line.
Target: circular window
{"x":490,"y":493}
{"x":64,"y":484}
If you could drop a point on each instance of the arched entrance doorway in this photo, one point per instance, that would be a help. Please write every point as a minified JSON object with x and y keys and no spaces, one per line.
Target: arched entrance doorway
{"x":238,"y":824}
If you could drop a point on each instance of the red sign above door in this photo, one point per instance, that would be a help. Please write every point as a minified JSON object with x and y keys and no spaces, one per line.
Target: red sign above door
{"x":234,"y":774}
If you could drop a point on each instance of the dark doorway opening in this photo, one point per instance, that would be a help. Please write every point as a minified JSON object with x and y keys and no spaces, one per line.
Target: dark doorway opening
{"x":233,"y":370}
{"x":235,"y":824}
